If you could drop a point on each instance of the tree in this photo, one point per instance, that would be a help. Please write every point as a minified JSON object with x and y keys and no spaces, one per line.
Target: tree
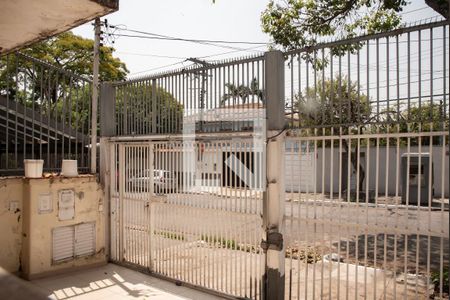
{"x":427,"y":117}
{"x":339,"y":106}
{"x":45,"y":89}
{"x":303,"y":23}
{"x":136,"y":110}
{"x":67,"y":51}
{"x":336,"y":104}
{"x":333,"y":102}
{"x":243,"y":92}
{"x":74,"y":53}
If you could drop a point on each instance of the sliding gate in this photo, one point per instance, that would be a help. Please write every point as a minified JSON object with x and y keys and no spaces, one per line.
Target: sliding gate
{"x":362,"y":210}
{"x":367,"y":207}
{"x":189,"y":211}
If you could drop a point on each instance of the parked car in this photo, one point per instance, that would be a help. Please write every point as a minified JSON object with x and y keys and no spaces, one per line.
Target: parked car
{"x":163,"y":181}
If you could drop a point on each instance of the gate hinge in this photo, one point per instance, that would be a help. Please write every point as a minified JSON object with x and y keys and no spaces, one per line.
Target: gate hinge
{"x":274,"y":241}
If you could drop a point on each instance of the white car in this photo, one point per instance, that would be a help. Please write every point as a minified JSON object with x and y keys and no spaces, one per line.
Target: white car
{"x":163,"y":181}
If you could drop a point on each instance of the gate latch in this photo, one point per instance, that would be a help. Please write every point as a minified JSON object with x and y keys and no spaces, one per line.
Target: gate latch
{"x":274,"y":241}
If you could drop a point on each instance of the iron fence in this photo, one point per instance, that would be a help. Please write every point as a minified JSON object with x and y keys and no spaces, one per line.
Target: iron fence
{"x":394,"y":78}
{"x":206,"y":97}
{"x":366,"y":162}
{"x":367,"y":167}
{"x":45,"y":114}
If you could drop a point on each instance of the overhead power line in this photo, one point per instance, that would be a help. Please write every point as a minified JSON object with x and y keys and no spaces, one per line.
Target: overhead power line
{"x":234,"y":51}
{"x":414,"y":10}
{"x":161,"y":38}
{"x":158,"y":68}
{"x":166,"y":37}
{"x":155,"y":36}
{"x":150,"y":55}
{"x":185,"y":57}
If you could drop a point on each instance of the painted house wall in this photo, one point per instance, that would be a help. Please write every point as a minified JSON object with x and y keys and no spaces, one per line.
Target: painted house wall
{"x":11,"y":195}
{"x":386,"y":160}
{"x":26,"y":238}
{"x":37,"y":227}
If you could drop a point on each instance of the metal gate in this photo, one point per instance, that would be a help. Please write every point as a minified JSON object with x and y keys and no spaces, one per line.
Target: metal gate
{"x":190,"y":211}
{"x":372,"y":113}
{"x":360,"y":127}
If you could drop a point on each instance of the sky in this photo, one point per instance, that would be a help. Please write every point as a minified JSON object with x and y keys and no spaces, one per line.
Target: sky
{"x":230,"y":20}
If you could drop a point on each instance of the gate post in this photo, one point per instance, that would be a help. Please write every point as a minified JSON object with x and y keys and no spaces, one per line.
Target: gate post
{"x":107,"y":129}
{"x":274,"y":194}
{"x":107,"y":110}
{"x":107,"y":125}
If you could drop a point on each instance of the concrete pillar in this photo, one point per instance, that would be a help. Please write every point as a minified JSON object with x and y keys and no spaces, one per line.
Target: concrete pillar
{"x":107,"y":110}
{"x":107,"y":129}
{"x":274,"y":195}
{"x":106,"y":154}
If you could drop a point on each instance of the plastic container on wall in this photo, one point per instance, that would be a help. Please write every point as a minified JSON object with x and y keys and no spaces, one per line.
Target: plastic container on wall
{"x":69,"y":168}
{"x":33,"y":168}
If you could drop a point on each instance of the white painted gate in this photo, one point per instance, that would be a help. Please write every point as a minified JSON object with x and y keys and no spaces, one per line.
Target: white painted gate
{"x":186,"y":211}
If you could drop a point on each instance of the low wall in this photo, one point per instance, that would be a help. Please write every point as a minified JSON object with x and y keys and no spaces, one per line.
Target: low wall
{"x":11,"y":209}
{"x":303,"y":171}
{"x":30,"y":212}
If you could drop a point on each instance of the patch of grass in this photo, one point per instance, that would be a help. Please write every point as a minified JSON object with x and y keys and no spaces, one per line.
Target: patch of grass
{"x":231,"y":244}
{"x":170,"y":235}
{"x":435,"y":277}
{"x":220,"y":241}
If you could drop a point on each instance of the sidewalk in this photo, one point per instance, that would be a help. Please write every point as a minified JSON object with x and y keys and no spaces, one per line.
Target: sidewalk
{"x":114,"y":282}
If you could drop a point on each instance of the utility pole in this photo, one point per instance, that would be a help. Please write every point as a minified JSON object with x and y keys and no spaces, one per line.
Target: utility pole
{"x":97,"y":26}
{"x":203,"y":88}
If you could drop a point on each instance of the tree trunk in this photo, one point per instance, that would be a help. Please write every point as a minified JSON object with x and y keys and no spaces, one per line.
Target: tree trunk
{"x":354,"y":163}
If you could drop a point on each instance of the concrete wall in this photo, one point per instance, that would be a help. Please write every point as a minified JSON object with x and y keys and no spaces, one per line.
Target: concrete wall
{"x":26,"y":239}
{"x":331,"y":168}
{"x":37,"y":227}
{"x":11,"y":195}
{"x":298,"y":170}
{"x":25,"y":22}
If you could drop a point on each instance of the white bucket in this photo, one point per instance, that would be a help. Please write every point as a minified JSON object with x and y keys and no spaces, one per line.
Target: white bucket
{"x":69,"y":168}
{"x":33,"y":168}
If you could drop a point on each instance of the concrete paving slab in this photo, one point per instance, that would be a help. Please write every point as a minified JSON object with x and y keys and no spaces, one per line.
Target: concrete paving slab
{"x":114,"y":282}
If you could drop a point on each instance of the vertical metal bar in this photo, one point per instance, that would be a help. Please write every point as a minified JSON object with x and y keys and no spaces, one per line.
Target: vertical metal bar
{"x":88,"y":130}
{"x":366,"y":206}
{"x":419,"y":200}
{"x":24,"y":103}
{"x":152,"y":205}
{"x":386,"y":183}
{"x":419,"y":82}
{"x":32,"y":98}
{"x":408,"y":161}
{"x":7,"y":78}
{"x":70,"y":117}
{"x":41,"y":106}
{"x":397,"y":179}
{"x":63,"y":113}
{"x":408,"y":76}
{"x":55,"y":116}
{"x":16,"y":159}
{"x":122,"y":176}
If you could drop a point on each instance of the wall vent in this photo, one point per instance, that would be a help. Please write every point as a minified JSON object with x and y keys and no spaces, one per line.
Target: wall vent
{"x":73,"y":241}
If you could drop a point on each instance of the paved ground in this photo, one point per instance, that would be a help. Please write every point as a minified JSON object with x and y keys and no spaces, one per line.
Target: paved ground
{"x":114,"y":282}
{"x":213,"y":240}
